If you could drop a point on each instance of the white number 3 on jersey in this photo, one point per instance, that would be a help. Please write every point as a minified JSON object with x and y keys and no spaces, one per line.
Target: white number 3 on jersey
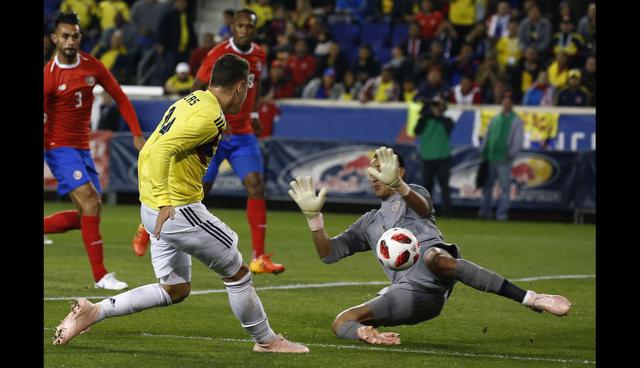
{"x":79,"y":99}
{"x":250,"y":80}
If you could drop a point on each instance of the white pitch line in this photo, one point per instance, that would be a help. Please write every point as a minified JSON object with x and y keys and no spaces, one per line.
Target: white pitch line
{"x":386,"y":349}
{"x":328,"y":285}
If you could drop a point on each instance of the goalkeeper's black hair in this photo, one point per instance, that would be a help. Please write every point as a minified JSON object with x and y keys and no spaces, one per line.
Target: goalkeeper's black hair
{"x":66,"y":18}
{"x":400,"y":160}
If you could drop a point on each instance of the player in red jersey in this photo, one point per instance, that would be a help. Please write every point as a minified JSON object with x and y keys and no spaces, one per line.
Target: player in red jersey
{"x":69,"y":80}
{"x":239,"y":146}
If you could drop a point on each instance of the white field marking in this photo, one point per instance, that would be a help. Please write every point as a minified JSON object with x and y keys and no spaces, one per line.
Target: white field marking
{"x":385,"y":349}
{"x":328,"y":285}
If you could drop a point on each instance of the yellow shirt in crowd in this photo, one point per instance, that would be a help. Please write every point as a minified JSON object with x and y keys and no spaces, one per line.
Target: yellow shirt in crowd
{"x":462,"y":12}
{"x":263,"y":12}
{"x":558,"y":78}
{"x":509,"y":51}
{"x":107,"y":11}
{"x":110,"y":56}
{"x":383,"y":92}
{"x":85,"y":9}
{"x":175,"y":83}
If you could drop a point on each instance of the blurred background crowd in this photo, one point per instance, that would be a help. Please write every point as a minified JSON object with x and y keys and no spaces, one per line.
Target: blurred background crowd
{"x":466,"y":51}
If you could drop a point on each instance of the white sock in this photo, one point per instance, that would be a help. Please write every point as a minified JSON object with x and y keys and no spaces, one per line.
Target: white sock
{"x":132,"y":301}
{"x":248,"y":309}
{"x":528,"y":297}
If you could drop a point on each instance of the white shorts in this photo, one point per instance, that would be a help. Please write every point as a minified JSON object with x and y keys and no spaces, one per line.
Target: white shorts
{"x":194,"y":231}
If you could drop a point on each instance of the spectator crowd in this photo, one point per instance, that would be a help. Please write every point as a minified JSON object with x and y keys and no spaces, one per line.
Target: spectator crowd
{"x":465,"y":51}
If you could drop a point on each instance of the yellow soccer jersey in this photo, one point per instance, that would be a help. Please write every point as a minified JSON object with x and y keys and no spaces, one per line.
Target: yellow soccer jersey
{"x":174,"y":159}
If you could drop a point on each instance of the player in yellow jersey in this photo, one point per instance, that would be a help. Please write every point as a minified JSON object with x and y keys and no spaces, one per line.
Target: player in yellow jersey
{"x":170,"y":170}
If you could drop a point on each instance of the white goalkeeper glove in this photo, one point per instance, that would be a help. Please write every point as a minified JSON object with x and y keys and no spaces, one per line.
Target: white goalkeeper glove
{"x":389,"y":173}
{"x":304,"y":195}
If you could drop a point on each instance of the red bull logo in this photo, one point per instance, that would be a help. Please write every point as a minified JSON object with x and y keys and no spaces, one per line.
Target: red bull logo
{"x":533,"y":171}
{"x":349,"y":177}
{"x":341,"y":170}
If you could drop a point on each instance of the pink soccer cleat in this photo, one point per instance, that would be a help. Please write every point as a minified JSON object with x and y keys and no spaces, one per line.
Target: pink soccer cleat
{"x":372,"y":336}
{"x":83,"y":314}
{"x":280,"y":345}
{"x":555,"y":304}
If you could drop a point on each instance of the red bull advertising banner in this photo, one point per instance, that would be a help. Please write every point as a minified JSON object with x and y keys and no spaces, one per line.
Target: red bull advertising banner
{"x":540,"y":179}
{"x":338,"y":166}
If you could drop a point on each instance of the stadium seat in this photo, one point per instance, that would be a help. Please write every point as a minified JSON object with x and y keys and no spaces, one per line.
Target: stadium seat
{"x":399,"y":33}
{"x":383,"y":54}
{"x":352,"y":55}
{"x":345,"y":34}
{"x":375,"y":34}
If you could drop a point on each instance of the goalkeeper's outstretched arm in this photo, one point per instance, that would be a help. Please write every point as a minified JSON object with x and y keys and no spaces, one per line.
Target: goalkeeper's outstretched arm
{"x":322,"y":242}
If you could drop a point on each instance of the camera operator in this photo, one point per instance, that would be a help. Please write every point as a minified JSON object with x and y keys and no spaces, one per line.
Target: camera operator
{"x":433,"y":132}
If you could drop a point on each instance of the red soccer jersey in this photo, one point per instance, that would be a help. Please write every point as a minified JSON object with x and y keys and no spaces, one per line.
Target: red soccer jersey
{"x":241,"y":122}
{"x":302,"y":68}
{"x":429,"y":23}
{"x":68,"y":98}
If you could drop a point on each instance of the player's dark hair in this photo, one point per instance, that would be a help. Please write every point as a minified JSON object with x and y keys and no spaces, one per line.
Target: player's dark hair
{"x":400,"y":160}
{"x":228,"y":70}
{"x":250,"y":13}
{"x":66,"y":18}
{"x":229,"y":12}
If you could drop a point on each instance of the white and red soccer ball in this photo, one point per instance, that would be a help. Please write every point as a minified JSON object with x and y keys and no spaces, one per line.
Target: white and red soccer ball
{"x":397,"y":249}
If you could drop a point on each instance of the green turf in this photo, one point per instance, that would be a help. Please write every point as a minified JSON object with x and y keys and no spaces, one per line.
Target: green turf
{"x":475,"y":329}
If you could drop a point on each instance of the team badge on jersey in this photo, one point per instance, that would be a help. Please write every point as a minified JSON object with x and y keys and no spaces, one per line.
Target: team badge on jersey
{"x":396,"y":206}
{"x":90,"y":80}
{"x":62,"y":87}
{"x":77,"y":174}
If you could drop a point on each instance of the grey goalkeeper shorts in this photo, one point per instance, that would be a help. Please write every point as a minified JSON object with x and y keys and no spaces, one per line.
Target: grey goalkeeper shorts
{"x":403,"y":304}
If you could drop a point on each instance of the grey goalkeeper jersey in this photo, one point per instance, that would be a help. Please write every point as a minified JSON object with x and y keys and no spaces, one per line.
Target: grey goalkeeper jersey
{"x":363,"y":236}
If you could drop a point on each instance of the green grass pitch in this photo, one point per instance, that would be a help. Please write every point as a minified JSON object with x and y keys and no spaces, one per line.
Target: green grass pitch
{"x":475,"y":329}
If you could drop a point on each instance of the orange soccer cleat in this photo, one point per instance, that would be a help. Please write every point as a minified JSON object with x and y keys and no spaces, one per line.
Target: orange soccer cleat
{"x":263,"y":264}
{"x":140,"y":241}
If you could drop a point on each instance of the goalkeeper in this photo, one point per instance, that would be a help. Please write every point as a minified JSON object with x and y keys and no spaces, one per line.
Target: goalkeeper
{"x":417,"y":294}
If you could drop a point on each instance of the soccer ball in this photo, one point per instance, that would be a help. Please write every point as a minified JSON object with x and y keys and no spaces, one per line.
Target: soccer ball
{"x":397,"y":249}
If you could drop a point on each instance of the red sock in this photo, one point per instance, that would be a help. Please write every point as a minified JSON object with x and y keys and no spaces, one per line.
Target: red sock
{"x":93,"y":245}
{"x":257,"y":216}
{"x":61,"y":222}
